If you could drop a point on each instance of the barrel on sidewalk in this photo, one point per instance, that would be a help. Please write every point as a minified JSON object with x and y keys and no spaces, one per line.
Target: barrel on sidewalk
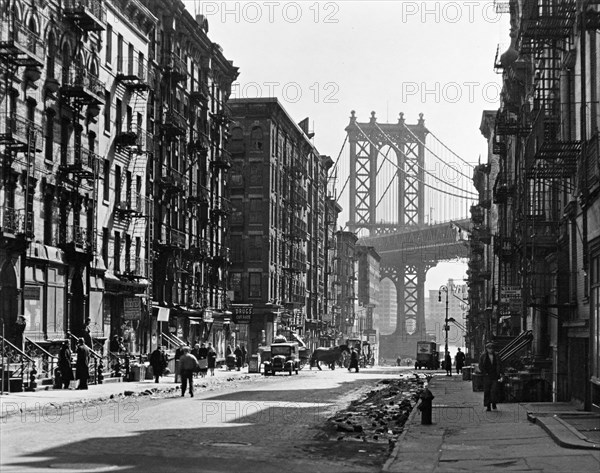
{"x":467,"y":373}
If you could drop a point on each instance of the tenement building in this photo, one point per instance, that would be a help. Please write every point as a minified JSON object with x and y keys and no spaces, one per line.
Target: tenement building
{"x":278,"y":190}
{"x":112,"y":184}
{"x":537,"y":292}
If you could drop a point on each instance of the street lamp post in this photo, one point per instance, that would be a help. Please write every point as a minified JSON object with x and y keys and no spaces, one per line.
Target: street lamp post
{"x":446,"y":290}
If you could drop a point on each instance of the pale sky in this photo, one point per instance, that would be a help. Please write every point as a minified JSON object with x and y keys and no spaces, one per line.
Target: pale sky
{"x":324,"y":59}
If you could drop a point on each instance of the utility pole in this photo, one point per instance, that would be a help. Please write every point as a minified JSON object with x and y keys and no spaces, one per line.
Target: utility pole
{"x":446,"y":290}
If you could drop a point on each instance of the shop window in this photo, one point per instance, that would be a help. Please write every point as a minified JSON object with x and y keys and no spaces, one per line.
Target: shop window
{"x":55,"y":303}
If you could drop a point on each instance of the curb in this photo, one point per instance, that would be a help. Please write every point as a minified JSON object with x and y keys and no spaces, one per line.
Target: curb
{"x":395,"y":452}
{"x":565,"y":435}
{"x":122,"y":394}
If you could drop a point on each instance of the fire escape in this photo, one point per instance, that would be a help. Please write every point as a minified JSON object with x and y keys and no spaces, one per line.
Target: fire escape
{"x":80,"y":88}
{"x":21,"y":138}
{"x":137,"y":77}
{"x":295,"y":233}
{"x":550,"y":161}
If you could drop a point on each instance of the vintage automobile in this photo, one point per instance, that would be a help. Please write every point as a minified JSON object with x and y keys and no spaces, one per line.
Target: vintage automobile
{"x":427,"y":356}
{"x":284,"y":357}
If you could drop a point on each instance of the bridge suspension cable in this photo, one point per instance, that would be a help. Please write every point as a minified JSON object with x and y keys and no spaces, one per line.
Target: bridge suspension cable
{"x":468,"y":194}
{"x":444,"y":145}
{"x":433,"y":153}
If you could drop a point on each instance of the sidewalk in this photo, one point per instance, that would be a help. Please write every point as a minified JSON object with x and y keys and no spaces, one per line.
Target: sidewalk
{"x":35,"y":400}
{"x":464,"y":437}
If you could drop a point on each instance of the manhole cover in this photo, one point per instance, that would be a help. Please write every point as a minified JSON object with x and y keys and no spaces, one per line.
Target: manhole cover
{"x":85,"y":466}
{"x":227,"y":444}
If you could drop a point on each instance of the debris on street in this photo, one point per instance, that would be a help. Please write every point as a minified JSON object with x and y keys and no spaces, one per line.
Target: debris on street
{"x":380,"y":415}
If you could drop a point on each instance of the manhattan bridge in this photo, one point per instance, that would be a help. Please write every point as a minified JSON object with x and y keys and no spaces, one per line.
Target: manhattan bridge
{"x":408,"y":196}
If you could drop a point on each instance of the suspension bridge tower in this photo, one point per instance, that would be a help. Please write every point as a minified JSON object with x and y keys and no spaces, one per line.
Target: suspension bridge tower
{"x":397,"y":207}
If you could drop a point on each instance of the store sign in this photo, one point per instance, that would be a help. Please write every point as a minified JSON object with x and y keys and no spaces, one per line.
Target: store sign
{"x":31,"y":293}
{"x":132,"y":308}
{"x":242,"y":313}
{"x":208,"y":316}
{"x":511,"y":295}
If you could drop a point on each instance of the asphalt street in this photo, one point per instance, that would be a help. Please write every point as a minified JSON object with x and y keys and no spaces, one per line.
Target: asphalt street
{"x":273,"y":424}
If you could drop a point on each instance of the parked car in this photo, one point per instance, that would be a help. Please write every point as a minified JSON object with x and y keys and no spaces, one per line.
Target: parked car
{"x":284,"y":357}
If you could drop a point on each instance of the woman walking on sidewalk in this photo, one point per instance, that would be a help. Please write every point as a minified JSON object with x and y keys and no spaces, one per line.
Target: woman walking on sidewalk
{"x":491,"y":369}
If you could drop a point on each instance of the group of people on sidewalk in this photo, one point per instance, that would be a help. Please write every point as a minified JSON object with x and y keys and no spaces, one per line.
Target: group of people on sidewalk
{"x":188,"y":362}
{"x":82,"y":369}
{"x":459,"y":362}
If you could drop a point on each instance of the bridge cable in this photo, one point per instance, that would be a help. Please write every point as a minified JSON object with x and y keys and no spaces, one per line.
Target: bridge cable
{"x":432,"y":152}
{"x":444,"y":145}
{"x":423,"y":169}
{"x":472,"y":194}
{"x":341,"y":151}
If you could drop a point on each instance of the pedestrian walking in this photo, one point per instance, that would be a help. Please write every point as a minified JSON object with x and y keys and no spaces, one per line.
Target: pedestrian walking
{"x":178,"y":353}
{"x":459,"y":360}
{"x":490,"y":366}
{"x":244,"y":355}
{"x":239,"y":357}
{"x":82,"y":367}
{"x":203,"y":360}
{"x":196,"y":352}
{"x":448,"y":364}
{"x":159,"y":362}
{"x":64,"y":365}
{"x":353,"y":360}
{"x":212,"y":359}
{"x":188,"y":365}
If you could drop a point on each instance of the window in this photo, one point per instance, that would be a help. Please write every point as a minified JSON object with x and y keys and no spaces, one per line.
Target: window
{"x":109,"y":34}
{"x":48,"y":220}
{"x":106,"y":190}
{"x":235,"y":283}
{"x":255,"y":248}
{"x":120,"y":53}
{"x":257,"y":138}
{"x":117,"y":183}
{"x":256,"y":175}
{"x":255,"y":211}
{"x":105,"y":240}
{"x":254,"y":285}
{"x":49,"y":136}
{"x":127,"y":253}
{"x":130,"y":60}
{"x":119,"y":116}
{"x":107,"y":106}
{"x":117,"y":254}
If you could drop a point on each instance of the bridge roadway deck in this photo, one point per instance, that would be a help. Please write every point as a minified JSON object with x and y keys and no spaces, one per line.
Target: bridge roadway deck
{"x":432,"y":243}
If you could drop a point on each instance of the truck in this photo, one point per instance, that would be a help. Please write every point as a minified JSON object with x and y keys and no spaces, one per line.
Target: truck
{"x":427,"y":356}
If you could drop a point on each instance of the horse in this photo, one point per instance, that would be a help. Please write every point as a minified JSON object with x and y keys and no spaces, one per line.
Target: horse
{"x":328,"y":355}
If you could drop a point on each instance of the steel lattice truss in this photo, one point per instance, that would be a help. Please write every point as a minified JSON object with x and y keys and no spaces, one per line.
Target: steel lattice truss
{"x":366,"y":142}
{"x":408,"y":247}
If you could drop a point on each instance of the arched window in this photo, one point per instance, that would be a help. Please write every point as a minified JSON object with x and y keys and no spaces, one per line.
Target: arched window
{"x":257,"y":138}
{"x":32,"y":25}
{"x":51,"y":56}
{"x":237,"y":134}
